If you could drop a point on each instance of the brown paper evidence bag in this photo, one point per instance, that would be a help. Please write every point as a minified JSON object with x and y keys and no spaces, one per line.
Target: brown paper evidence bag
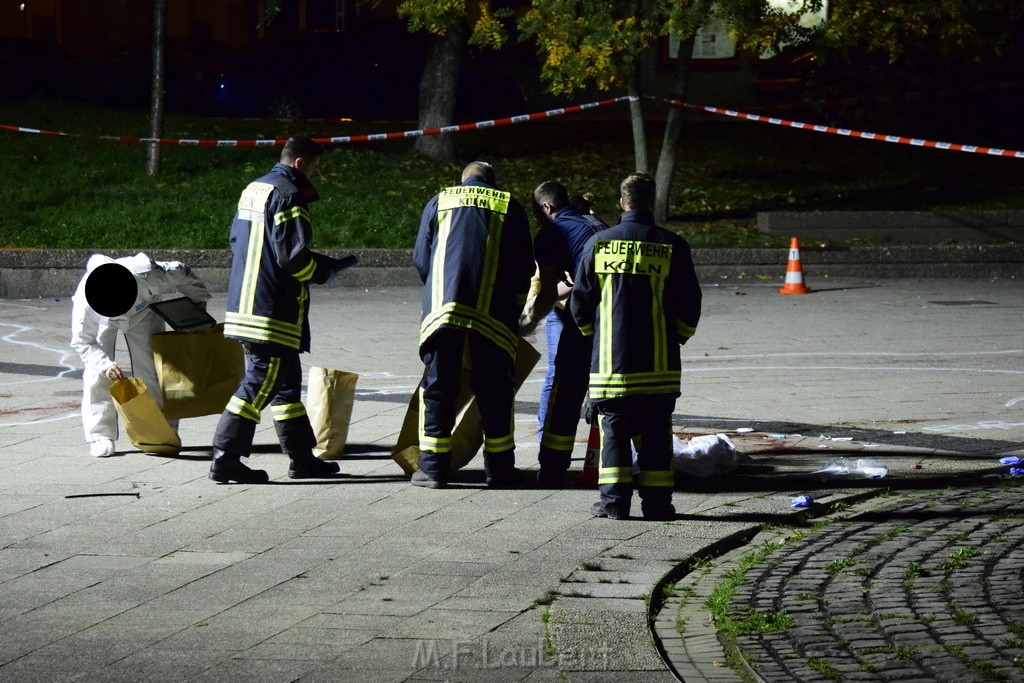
{"x":468,"y":435}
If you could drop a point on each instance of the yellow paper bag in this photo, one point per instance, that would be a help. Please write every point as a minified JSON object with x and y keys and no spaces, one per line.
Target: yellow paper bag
{"x":329,"y":400}
{"x":142,"y":420}
{"x":468,"y":435}
{"x":198,"y":371}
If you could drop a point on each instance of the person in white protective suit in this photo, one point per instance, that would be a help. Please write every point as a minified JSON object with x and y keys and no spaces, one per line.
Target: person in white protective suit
{"x":104,"y":304}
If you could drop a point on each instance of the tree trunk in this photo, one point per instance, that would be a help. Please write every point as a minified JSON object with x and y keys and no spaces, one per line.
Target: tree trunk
{"x":156,"y":116}
{"x":636,"y":118}
{"x":673,"y":133}
{"x":437,"y":91}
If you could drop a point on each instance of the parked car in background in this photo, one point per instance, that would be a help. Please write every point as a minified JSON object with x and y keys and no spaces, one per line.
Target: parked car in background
{"x":350,"y":74}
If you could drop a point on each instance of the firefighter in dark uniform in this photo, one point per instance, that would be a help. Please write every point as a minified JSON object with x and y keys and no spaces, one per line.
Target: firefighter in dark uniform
{"x":268,"y":311}
{"x":559,"y":248}
{"x":475,"y":257}
{"x":637,"y":293}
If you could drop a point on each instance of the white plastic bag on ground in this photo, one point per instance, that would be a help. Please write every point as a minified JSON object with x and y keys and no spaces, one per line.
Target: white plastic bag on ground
{"x":863,"y":468}
{"x":705,"y":455}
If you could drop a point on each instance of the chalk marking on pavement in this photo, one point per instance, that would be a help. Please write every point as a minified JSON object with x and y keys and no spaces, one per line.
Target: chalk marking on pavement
{"x":64,"y":354}
{"x":18,"y":305}
{"x":1014,"y":401}
{"x":909,"y":354}
{"x":881,"y":368}
{"x":984,"y":424}
{"x":66,"y":416}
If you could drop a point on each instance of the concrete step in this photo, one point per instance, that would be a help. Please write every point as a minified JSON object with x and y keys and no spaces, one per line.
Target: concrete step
{"x":33,"y":273}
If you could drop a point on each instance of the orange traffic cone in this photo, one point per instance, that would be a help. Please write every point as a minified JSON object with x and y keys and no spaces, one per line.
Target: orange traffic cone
{"x":794,"y":272}
{"x":588,"y":477}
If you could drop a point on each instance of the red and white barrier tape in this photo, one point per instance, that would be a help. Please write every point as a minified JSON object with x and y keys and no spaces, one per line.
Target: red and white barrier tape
{"x":898,"y":139}
{"x":373,"y":137}
{"x":523,"y":118}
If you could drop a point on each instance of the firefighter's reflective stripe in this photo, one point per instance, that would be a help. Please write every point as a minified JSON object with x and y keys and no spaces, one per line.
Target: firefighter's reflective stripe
{"x":294,"y":212}
{"x":685,"y":330}
{"x":437,"y":293}
{"x":467,"y":317}
{"x":254,"y":255}
{"x":306,"y":274}
{"x":491,"y":257}
{"x":656,"y":478}
{"x":263,"y":329}
{"x":254,"y":198}
{"x":618,"y":384}
{"x":614,"y":475}
{"x":434,"y":444}
{"x":614,"y":260}
{"x":251,"y":411}
{"x":287,"y":411}
{"x":500,"y":444}
{"x":475,"y":196}
{"x":558,"y":442}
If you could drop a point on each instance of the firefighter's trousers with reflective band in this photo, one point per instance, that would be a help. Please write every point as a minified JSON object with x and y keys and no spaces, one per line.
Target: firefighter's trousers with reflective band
{"x":568,"y":389}
{"x":273,"y":377}
{"x":647,"y":421}
{"x":491,"y":378}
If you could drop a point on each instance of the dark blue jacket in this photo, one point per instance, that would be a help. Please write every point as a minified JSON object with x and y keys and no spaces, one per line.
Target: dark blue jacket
{"x":475,"y":256}
{"x":272,"y":265}
{"x":637,"y":293}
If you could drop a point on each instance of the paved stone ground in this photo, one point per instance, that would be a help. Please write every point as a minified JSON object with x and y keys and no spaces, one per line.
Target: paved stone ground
{"x":901,"y":587}
{"x":138,"y":567}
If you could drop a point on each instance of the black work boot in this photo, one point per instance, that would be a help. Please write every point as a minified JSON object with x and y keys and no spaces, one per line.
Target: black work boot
{"x":554,"y":468}
{"x":228,"y":467}
{"x":309,"y":466}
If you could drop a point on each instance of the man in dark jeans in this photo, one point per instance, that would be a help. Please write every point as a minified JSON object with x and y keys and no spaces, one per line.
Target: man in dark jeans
{"x":559,"y":245}
{"x":475,"y":257}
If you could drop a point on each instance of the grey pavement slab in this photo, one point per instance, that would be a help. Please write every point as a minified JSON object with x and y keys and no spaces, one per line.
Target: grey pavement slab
{"x":160,"y":574}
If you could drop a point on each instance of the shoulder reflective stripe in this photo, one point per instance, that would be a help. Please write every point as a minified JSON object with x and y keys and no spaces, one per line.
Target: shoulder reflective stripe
{"x":632,"y":257}
{"x":492,"y":255}
{"x":251,"y":272}
{"x":473,"y":196}
{"x":657,"y":478}
{"x":287,"y":215}
{"x":255,"y":196}
{"x":287,"y":411}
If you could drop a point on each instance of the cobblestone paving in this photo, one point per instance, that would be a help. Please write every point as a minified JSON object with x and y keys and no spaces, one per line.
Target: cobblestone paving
{"x":920,"y":588}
